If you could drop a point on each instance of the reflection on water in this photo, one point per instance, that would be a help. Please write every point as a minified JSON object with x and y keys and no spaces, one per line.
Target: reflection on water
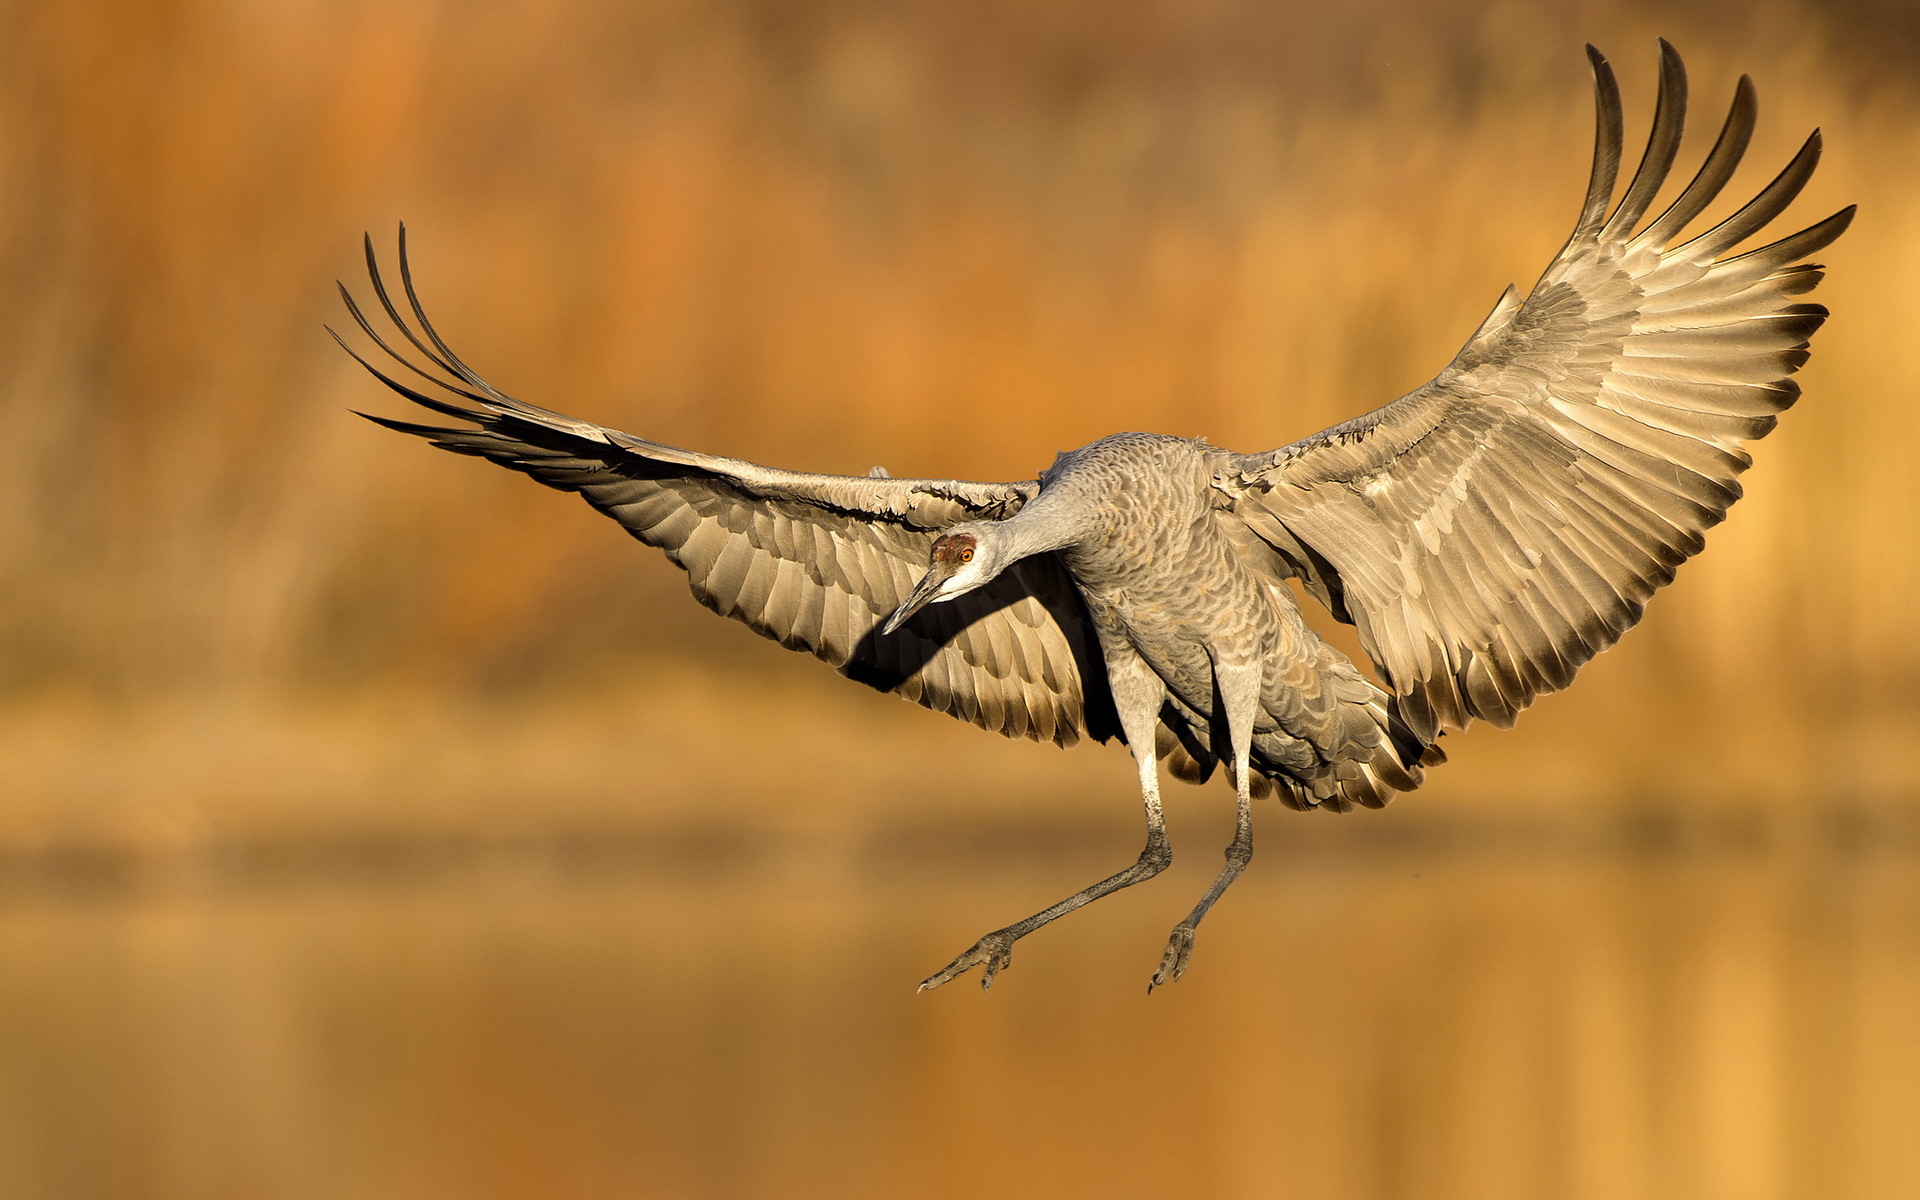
{"x":1642,"y":1016}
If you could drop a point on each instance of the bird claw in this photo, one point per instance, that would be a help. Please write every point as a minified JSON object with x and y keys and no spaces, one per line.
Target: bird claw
{"x":1173,"y":964}
{"x":995,"y":950}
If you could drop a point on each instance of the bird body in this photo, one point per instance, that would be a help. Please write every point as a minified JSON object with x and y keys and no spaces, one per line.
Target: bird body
{"x":1486,"y":534}
{"x":1148,"y":539}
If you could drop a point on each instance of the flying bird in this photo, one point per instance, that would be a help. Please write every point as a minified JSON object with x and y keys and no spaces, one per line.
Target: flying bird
{"x":1486,"y":533}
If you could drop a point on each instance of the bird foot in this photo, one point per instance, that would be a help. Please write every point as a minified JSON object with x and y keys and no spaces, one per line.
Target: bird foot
{"x":1173,"y":964}
{"x":995,"y":950}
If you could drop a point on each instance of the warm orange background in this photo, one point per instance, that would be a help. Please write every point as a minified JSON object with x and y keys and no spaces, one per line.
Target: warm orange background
{"x":374,"y":823}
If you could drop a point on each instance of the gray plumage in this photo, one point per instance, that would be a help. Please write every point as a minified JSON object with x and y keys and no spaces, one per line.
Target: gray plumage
{"x":1487,"y":533}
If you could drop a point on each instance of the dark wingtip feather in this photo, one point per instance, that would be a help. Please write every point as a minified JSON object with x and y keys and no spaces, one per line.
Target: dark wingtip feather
{"x":373,"y":335}
{"x":1758,"y":212}
{"x":1785,"y":253}
{"x":1728,"y":149}
{"x":475,"y":443}
{"x":393,"y":312}
{"x":418,"y":397}
{"x":449,"y":359}
{"x":1608,"y":136}
{"x":425,"y":431}
{"x":1663,"y":143}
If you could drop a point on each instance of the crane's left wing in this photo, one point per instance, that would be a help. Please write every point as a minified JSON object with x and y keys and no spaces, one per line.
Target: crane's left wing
{"x":814,"y":562}
{"x":1495,"y":529}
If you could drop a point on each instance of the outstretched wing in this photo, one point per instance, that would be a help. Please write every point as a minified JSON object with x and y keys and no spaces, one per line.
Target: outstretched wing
{"x":1495,"y":529}
{"x":813,"y":561}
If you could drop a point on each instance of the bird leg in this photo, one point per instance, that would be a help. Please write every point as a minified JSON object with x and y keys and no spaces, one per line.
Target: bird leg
{"x":995,"y":950}
{"x":1173,"y":964}
{"x":1239,"y":689}
{"x":1138,"y":694}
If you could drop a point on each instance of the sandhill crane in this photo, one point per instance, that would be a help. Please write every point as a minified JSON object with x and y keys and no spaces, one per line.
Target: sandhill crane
{"x":1487,"y":533}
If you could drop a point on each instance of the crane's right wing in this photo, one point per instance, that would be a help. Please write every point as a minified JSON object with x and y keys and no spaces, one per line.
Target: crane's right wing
{"x":814,"y":562}
{"x":1492,"y":531}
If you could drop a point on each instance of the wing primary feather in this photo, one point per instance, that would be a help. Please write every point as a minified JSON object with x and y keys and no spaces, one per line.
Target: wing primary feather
{"x":1756,"y":212}
{"x":432,"y":433}
{"x":452,"y":361}
{"x":420,"y":398}
{"x":1608,"y":134}
{"x":1811,"y":240}
{"x":1713,"y":175}
{"x":393,"y":312}
{"x":1669,"y":121}
{"x":367,"y":328}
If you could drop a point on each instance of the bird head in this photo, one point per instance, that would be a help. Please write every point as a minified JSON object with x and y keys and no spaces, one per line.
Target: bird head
{"x":963,"y":559}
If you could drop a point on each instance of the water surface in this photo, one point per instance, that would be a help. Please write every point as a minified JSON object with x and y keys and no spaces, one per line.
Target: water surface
{"x":1676,"y":1011}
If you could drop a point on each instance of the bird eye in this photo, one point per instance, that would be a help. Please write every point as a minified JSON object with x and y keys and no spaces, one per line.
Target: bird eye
{"x":966,"y":555}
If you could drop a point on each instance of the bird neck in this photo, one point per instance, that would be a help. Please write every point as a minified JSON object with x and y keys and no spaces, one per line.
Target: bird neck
{"x":1038,"y":527}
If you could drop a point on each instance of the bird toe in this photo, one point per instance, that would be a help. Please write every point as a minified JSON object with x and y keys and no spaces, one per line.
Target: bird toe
{"x":993,"y":952}
{"x":1173,"y":963}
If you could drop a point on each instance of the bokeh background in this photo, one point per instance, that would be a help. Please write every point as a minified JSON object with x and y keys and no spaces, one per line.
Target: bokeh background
{"x":375,"y":824}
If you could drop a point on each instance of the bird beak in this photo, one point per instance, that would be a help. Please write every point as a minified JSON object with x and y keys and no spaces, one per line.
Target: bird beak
{"x":923,"y":595}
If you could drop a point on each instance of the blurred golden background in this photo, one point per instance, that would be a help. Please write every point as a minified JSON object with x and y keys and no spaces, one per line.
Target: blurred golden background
{"x":376,"y":824}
